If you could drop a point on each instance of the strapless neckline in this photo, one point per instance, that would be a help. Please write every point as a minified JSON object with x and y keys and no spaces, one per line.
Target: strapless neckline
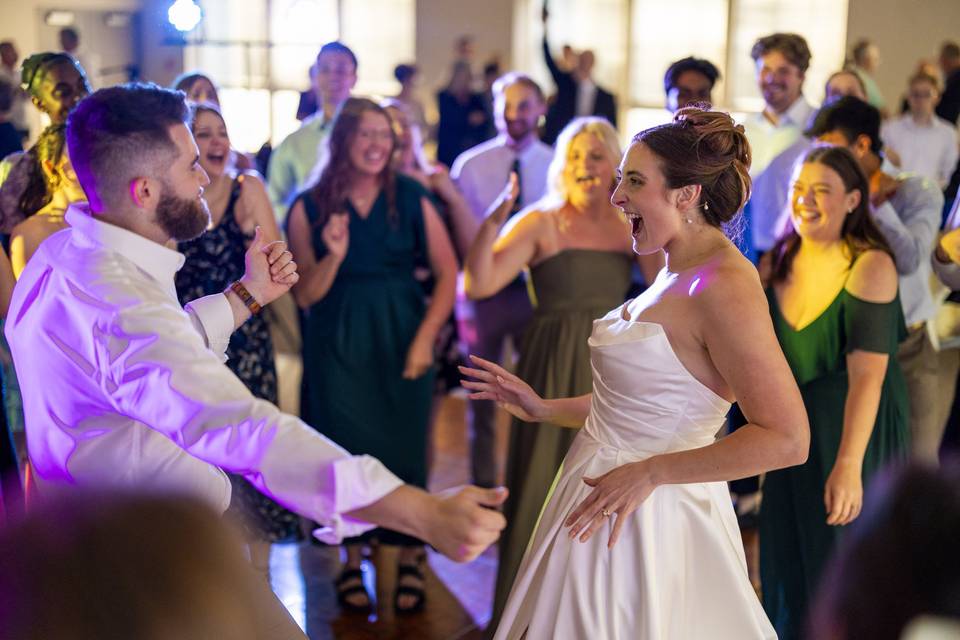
{"x":660,"y":332}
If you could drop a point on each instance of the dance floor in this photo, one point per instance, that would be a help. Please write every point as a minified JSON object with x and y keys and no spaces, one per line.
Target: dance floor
{"x":459,"y":596}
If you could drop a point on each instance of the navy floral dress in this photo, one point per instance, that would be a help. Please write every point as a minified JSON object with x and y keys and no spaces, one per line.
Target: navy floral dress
{"x":214,"y":260}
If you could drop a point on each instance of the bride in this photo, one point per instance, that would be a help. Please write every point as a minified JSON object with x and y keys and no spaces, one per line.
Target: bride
{"x":638,"y":538}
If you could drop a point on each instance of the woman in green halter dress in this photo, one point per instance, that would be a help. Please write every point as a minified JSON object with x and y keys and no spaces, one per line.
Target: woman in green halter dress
{"x":838,"y":318}
{"x":578,"y":254}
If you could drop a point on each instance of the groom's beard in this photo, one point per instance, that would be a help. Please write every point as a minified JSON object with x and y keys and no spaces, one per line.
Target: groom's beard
{"x":182,"y":218}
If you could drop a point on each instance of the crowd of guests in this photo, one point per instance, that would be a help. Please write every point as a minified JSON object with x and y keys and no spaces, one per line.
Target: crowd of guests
{"x":847,"y":222}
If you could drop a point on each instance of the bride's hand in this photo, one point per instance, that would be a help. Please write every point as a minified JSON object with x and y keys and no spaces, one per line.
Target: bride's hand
{"x":493,"y":382}
{"x":618,"y":492}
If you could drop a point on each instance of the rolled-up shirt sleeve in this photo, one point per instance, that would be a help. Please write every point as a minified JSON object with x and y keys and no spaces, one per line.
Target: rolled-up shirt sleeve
{"x":160,"y":372}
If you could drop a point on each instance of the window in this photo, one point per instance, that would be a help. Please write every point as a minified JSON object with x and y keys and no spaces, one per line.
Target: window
{"x":259,"y":54}
{"x":635,"y":41}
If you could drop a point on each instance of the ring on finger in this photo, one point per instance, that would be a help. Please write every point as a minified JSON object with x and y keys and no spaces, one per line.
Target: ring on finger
{"x":604,"y":513}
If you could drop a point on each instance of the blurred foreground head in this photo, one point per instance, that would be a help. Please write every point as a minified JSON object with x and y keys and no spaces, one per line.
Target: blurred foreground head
{"x":109,"y":566}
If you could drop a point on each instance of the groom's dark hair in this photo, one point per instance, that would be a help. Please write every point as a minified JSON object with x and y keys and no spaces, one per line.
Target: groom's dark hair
{"x":121,"y":133}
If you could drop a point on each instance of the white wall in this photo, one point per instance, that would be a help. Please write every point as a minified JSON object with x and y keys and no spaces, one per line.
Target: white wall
{"x":441,"y":22}
{"x":905,"y":31}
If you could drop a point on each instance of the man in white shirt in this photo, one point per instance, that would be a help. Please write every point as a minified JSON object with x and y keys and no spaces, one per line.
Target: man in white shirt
{"x":926,"y":143}
{"x":481,"y":174}
{"x":776,"y":134}
{"x":577,"y":92}
{"x":124,"y":388}
{"x":294,"y":159}
{"x":907,"y":209}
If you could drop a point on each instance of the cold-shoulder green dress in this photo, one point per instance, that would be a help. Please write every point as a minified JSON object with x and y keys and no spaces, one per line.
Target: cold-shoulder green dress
{"x":795,"y":540}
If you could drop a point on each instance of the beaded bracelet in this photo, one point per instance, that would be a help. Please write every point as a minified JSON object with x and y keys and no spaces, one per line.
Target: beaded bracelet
{"x":247,"y":297}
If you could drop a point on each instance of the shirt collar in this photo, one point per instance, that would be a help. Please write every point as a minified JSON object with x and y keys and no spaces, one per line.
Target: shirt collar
{"x":798,"y":113}
{"x":519,"y":153}
{"x":155,"y":259}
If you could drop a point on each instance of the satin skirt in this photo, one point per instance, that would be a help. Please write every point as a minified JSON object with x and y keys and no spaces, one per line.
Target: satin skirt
{"x":677,"y":572}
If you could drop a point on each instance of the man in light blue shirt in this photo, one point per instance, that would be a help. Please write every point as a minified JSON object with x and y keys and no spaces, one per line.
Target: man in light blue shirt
{"x":294,"y":160}
{"x":907,"y":209}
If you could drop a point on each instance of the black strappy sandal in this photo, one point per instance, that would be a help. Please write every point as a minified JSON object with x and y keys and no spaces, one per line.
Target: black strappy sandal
{"x":419,"y":594}
{"x":344,"y":592}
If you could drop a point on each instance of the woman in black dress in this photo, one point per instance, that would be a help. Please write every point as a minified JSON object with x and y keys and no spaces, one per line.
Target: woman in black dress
{"x":238,"y":205}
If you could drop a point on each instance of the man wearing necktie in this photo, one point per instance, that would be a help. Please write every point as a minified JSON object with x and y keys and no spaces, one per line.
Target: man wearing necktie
{"x":481,"y":173}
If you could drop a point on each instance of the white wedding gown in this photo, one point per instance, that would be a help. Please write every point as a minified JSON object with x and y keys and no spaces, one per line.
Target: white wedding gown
{"x":677,"y":571}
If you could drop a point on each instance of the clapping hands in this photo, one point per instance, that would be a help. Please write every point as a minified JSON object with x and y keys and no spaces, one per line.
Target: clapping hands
{"x":336,"y":234}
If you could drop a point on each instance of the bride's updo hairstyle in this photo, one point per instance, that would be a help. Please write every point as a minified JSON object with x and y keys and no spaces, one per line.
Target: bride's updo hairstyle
{"x":707,"y":148}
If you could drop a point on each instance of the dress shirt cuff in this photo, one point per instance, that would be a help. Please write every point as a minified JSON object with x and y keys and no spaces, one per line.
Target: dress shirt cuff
{"x":213,"y":318}
{"x":359,"y":481}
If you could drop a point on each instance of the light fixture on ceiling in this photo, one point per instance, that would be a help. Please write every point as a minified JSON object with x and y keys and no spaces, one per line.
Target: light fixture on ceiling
{"x":117,"y":20}
{"x":57,"y":18}
{"x":184,"y":15}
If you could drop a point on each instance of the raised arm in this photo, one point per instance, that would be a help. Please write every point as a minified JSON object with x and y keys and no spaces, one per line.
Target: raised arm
{"x":743,"y":347}
{"x":493,"y":262}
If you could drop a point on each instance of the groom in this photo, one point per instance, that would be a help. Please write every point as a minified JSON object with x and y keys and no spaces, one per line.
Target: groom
{"x":124,"y":388}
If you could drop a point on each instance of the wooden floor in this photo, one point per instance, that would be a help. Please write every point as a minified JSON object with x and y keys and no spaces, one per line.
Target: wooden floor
{"x":459,"y":596}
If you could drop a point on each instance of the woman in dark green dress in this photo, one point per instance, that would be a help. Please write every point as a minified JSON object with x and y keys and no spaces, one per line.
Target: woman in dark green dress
{"x":357,"y":236}
{"x":578,"y":252}
{"x":838,"y":318}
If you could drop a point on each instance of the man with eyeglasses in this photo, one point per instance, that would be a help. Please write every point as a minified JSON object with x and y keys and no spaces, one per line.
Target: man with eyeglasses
{"x":925,"y":143}
{"x":688,"y":81}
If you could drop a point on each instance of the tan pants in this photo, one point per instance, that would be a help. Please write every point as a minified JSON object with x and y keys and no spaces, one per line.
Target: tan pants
{"x":920,"y":365}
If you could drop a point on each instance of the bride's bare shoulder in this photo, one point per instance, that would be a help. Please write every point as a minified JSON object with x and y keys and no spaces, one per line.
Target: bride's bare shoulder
{"x":731,"y":282}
